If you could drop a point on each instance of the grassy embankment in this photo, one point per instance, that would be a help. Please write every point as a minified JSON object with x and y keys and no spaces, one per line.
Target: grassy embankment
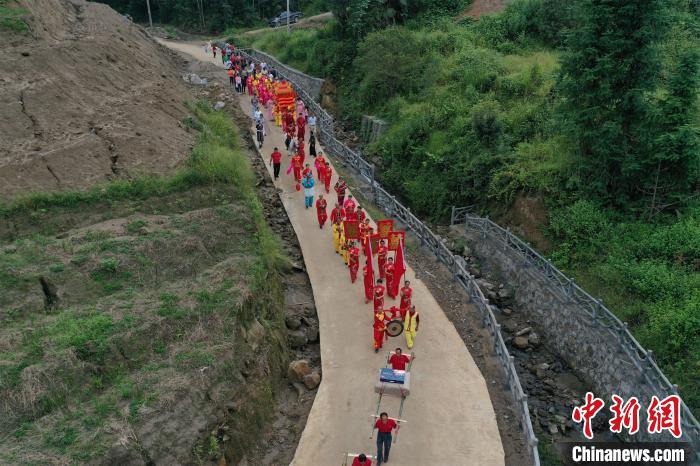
{"x":473,"y":114}
{"x":154,"y":292}
{"x":11,"y":17}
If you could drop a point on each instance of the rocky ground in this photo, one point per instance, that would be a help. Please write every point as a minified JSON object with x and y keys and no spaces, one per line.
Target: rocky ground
{"x":85,"y":96}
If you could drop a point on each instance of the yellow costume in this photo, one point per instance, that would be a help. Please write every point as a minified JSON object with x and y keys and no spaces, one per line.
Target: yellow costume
{"x":344,"y":248}
{"x":336,"y":237}
{"x":410,"y":326}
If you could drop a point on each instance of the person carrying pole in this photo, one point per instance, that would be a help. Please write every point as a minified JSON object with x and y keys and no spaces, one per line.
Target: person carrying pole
{"x":389,"y":275}
{"x":354,"y":258}
{"x":379,"y":295}
{"x":385,"y":426}
{"x":361,"y":460}
{"x":382,"y":252}
{"x":398,"y":361}
{"x":379,"y":330}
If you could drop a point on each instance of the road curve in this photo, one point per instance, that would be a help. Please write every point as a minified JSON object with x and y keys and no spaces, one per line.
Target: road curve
{"x":450,"y":418}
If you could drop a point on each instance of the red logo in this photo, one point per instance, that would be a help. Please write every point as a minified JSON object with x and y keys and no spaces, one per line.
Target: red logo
{"x":587,"y":412}
{"x":626,"y":415}
{"x":665,"y":415}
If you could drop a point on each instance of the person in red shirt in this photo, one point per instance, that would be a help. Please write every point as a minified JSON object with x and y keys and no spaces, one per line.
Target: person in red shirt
{"x":300,"y":151}
{"x":378,"y":295}
{"x":296,"y":166}
{"x":354,"y":261}
{"x":369,"y":282}
{"x":379,"y":330}
{"x":350,"y":213}
{"x":337,"y":214}
{"x":369,"y":230}
{"x":382,"y":252}
{"x":301,"y":128}
{"x":389,"y":274}
{"x":361,"y":460}
{"x":385,"y":426}
{"x":406,"y":294}
{"x":321,"y":205}
{"x":398,"y":360}
{"x":276,"y":162}
{"x":340,"y":187}
{"x":349,"y":203}
{"x":320,"y":164}
{"x":361,"y":216}
{"x":329,"y":177}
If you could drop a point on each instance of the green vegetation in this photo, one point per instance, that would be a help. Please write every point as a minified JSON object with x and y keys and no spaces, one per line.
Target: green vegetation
{"x":589,"y":107}
{"x":141,"y":305}
{"x":11,"y":17}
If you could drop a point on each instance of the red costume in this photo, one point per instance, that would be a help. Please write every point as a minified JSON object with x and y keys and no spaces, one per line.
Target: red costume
{"x":306,"y":171}
{"x":361,"y":215}
{"x":381,"y":259}
{"x":349,"y":204}
{"x":301,"y":131}
{"x":379,"y":329}
{"x":296,"y":166}
{"x":329,"y":176}
{"x":369,"y":283}
{"x":389,"y":273}
{"x":393,"y":313}
{"x":340,"y":187}
{"x":398,"y":363}
{"x":301,"y":152}
{"x":337,"y":215}
{"x":356,"y":462}
{"x":368,"y":232}
{"x":354,"y":264}
{"x":406,"y":293}
{"x":321,"y":213}
{"x":378,"y":297}
{"x":350,"y":214}
{"x":289,"y":121}
{"x":321,"y":168}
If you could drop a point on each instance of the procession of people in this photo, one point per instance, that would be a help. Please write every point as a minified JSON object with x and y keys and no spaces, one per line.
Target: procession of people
{"x":378,"y":248}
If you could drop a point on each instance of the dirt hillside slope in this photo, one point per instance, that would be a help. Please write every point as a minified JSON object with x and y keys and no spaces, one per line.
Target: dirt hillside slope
{"x":85,"y":96}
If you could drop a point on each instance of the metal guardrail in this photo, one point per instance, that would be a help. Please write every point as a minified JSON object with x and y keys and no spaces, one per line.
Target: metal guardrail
{"x":437,"y":246}
{"x":642,"y":359}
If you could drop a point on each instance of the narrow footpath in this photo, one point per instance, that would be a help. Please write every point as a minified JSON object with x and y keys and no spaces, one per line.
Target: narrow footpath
{"x":450,"y":419}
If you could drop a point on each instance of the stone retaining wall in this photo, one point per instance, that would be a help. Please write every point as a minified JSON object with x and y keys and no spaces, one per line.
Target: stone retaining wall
{"x":591,"y":344}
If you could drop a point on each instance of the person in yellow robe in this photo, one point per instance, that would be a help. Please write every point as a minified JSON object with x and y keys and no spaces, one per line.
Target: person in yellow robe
{"x":337,"y":227}
{"x":410,"y":325}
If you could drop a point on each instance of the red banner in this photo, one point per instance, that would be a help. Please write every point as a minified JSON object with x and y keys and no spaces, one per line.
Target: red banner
{"x":384,"y":227}
{"x":374,"y":242}
{"x":352,"y":229}
{"x":396,"y":238}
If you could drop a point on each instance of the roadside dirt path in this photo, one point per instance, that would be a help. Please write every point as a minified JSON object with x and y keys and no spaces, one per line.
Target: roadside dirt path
{"x":450,"y":417}
{"x":482,"y":7}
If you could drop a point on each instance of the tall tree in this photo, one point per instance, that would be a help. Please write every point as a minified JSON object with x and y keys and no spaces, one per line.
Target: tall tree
{"x":673,"y":171}
{"x":606,"y":77}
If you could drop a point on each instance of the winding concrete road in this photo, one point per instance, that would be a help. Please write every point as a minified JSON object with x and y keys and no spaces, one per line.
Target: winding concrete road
{"x":450,"y":420}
